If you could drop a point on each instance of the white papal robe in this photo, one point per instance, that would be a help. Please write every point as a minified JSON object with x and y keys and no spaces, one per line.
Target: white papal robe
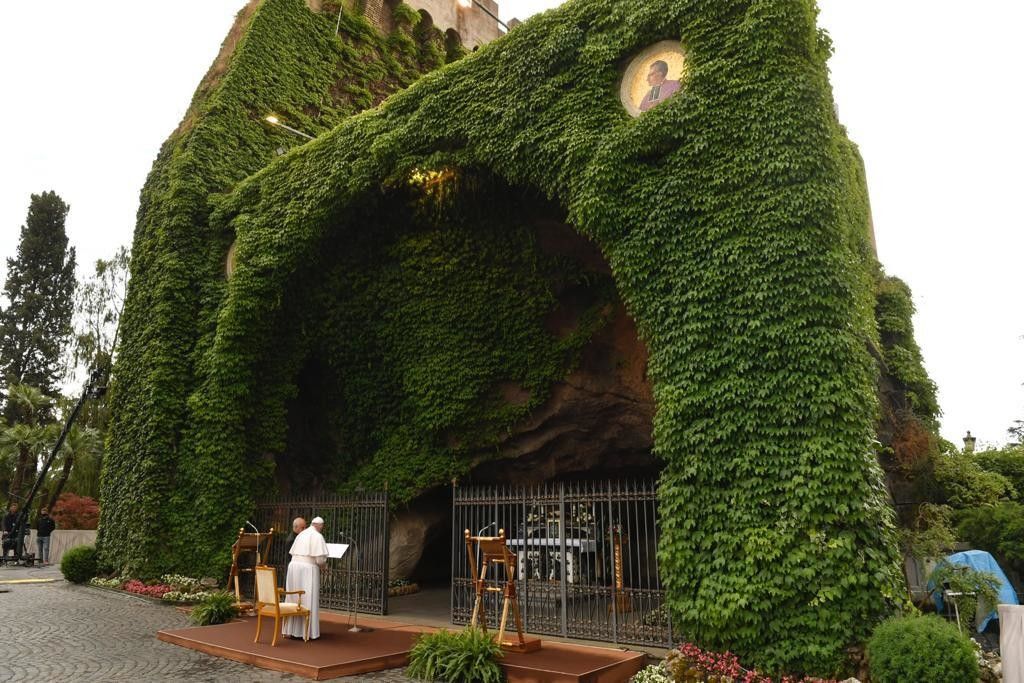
{"x":309,"y":553}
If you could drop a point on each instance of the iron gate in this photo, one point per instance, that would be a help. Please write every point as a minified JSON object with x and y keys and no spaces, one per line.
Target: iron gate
{"x":362,"y":575}
{"x":586,"y":555}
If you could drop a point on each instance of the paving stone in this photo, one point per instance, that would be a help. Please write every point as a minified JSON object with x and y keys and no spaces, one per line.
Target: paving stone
{"x":62,"y":632}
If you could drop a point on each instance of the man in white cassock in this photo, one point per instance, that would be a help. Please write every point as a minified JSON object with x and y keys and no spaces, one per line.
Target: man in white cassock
{"x":309,"y":554}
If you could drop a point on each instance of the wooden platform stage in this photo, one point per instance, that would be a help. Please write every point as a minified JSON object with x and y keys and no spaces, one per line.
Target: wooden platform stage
{"x":339,"y":653}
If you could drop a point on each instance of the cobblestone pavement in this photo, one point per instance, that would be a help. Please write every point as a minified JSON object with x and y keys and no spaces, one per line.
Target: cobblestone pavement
{"x":62,"y":632}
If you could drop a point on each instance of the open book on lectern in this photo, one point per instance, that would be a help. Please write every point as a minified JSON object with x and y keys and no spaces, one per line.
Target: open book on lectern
{"x":336,"y":550}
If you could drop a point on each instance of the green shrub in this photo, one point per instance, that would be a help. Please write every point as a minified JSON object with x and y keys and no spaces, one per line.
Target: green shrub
{"x":932,"y":535}
{"x":999,"y":529}
{"x":79,"y":564}
{"x":1008,"y":462}
{"x":963,"y":483}
{"x":216,"y":608}
{"x":921,"y":648}
{"x":469,"y":656}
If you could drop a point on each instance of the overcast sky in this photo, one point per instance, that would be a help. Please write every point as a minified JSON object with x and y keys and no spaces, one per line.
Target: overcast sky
{"x":930,"y":90}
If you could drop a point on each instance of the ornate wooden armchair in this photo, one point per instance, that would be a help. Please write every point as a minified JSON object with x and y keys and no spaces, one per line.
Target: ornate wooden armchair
{"x":268,"y":603}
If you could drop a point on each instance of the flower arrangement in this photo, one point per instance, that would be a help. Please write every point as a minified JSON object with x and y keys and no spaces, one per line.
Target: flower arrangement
{"x":114,"y":582}
{"x":398,"y":587}
{"x":655,"y":673}
{"x":182,"y":584}
{"x":171,"y":588}
{"x":139,"y":588}
{"x":690,"y":664}
{"x":186,"y":598}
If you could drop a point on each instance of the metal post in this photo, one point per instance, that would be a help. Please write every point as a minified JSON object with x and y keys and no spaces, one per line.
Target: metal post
{"x":561,"y":562}
{"x":611,"y":530}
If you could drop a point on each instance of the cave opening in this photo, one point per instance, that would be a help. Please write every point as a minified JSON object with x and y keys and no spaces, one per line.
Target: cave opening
{"x":466,"y":333}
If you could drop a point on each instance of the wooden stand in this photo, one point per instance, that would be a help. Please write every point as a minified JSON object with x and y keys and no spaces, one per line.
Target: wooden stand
{"x":248,"y":543}
{"x":495,"y":551}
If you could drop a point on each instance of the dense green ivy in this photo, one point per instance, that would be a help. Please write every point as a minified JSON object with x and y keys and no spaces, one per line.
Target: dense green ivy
{"x":279,"y":58}
{"x":904,"y":363}
{"x":734,"y":219}
{"x":398,"y":341}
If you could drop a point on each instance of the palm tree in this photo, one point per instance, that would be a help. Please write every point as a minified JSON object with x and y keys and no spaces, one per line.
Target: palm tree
{"x":29,"y":404}
{"x":21,"y":443}
{"x":80,"y":458}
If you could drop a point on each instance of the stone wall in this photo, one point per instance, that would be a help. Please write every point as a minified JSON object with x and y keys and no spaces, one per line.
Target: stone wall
{"x":61,"y":541}
{"x":472,"y":24}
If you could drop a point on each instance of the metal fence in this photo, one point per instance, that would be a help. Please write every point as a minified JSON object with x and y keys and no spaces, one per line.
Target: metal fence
{"x":361,"y":576}
{"x":586,"y":552}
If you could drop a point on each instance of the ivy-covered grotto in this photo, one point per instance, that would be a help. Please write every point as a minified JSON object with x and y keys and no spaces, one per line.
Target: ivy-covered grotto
{"x":494,"y":266}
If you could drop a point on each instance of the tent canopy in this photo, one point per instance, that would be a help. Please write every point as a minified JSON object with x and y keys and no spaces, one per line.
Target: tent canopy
{"x":981,"y":561}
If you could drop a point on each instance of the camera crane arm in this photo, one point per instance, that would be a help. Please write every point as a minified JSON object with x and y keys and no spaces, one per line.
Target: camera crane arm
{"x":93,"y":389}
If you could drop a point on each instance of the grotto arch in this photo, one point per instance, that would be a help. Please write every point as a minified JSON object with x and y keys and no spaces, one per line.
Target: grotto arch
{"x":732,"y":222}
{"x":515,"y":363}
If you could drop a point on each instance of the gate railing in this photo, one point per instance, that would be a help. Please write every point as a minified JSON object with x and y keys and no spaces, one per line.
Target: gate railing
{"x":586,"y":552}
{"x":361,"y":574}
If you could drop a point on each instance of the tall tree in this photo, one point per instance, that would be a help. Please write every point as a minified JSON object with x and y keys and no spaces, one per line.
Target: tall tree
{"x":100,"y":302}
{"x":36,"y":324}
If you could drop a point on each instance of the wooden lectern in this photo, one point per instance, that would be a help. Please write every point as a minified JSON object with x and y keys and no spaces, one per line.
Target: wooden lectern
{"x":248,"y":543}
{"x":494,"y":551}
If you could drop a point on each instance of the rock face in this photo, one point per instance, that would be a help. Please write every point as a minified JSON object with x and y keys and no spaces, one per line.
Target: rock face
{"x":597,"y":423}
{"x":427,"y":522}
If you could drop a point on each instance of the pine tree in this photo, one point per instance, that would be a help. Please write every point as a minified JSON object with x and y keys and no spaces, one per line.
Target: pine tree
{"x":36,"y":324}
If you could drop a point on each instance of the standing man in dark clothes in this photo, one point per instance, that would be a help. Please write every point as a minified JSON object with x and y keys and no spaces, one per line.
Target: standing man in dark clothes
{"x":298,"y":524}
{"x":8,"y":528}
{"x":44,"y":527}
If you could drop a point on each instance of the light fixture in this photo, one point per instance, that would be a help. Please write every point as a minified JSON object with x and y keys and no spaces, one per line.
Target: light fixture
{"x":274,"y":121}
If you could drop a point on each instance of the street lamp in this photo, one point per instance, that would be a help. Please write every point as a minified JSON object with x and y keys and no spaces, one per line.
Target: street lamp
{"x":274,"y":121}
{"x":969,"y":442}
{"x":468,"y":4}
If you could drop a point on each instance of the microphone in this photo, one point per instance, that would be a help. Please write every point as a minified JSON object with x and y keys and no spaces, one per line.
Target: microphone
{"x":486,"y":528}
{"x":252,"y":526}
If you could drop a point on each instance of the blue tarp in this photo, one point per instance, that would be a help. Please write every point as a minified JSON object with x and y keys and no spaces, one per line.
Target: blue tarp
{"x":981,"y":561}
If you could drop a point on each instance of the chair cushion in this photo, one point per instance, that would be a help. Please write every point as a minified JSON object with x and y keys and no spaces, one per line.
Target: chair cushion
{"x":290,"y":607}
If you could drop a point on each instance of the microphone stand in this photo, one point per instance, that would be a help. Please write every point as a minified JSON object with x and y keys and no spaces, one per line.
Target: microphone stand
{"x":355,"y":603}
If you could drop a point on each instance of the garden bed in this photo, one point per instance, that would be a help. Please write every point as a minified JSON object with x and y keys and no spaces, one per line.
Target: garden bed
{"x":170,"y":590}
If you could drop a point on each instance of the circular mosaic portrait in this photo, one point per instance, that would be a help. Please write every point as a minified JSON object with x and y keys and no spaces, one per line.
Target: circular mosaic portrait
{"x":654,"y":75}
